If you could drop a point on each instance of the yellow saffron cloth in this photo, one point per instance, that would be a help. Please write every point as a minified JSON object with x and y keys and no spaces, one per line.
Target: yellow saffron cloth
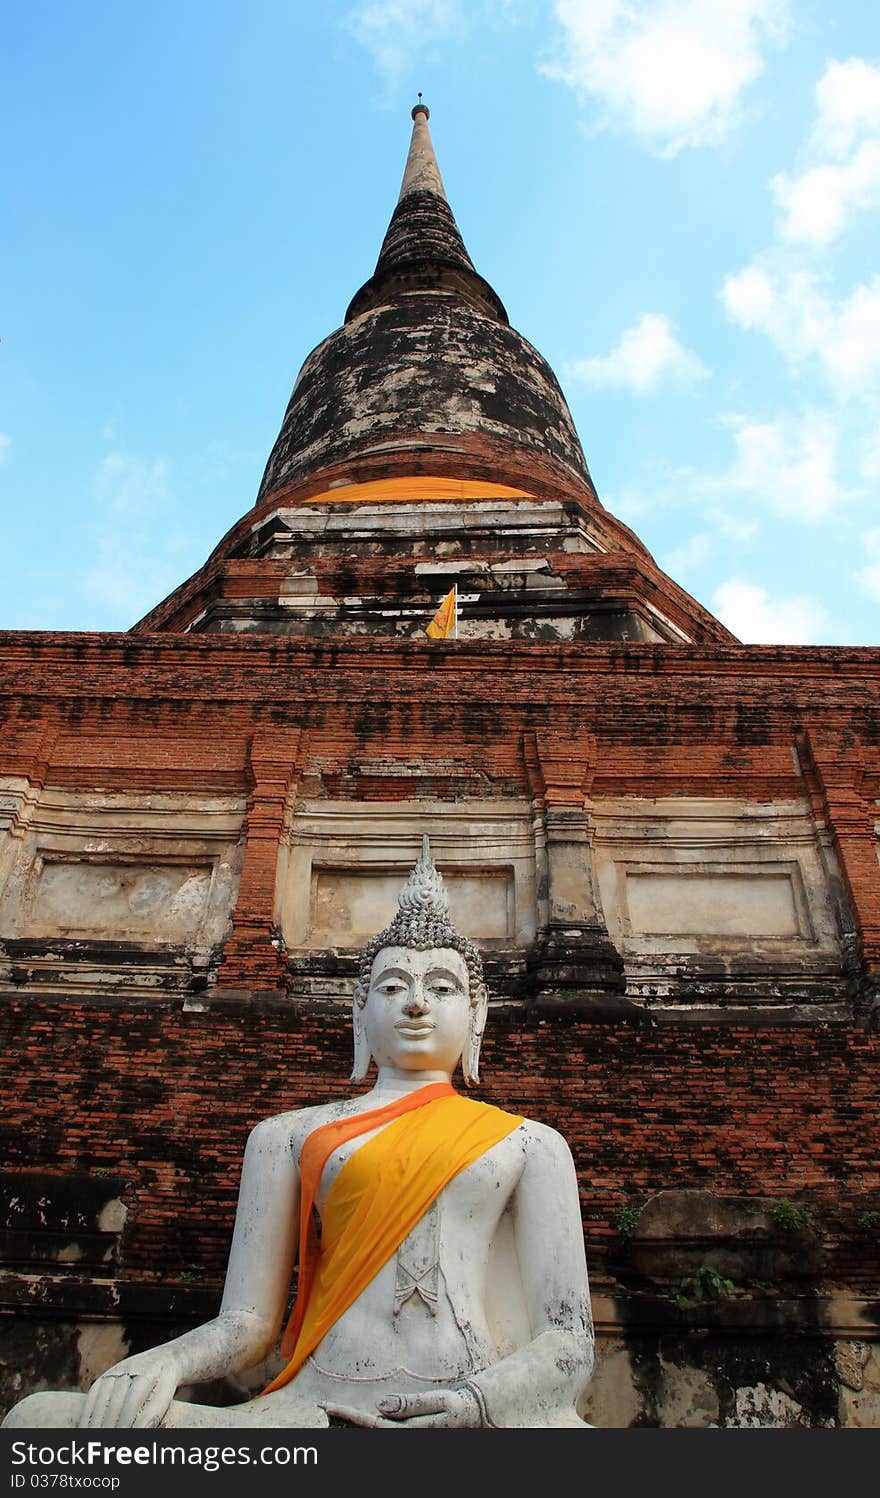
{"x":414,"y":487}
{"x":379,"y":1195}
{"x":443,"y":623}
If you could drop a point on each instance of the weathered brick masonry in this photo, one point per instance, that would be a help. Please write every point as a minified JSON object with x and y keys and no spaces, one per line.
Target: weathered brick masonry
{"x":647,"y":1104}
{"x":164,"y":1099}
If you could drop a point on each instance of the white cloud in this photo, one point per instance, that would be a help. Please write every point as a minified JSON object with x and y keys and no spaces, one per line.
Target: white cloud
{"x":792,"y":467}
{"x":5,"y":443}
{"x":393,"y":31}
{"x":672,"y":71}
{"x":788,"y":467}
{"x":817,"y":205}
{"x":852,"y":352}
{"x":869,"y":576}
{"x":848,"y":96}
{"x":841,"y":160}
{"x":700,"y":549}
{"x":804,"y":321}
{"x":647,"y":355}
{"x":782,"y":294}
{"x":735,"y":527}
{"x":130,"y":582}
{"x":758,"y":619}
{"x":789,"y":464}
{"x":750,"y":297}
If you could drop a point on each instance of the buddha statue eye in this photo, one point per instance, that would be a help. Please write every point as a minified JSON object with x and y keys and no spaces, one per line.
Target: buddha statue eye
{"x":442,"y":986}
{"x":390,"y":986}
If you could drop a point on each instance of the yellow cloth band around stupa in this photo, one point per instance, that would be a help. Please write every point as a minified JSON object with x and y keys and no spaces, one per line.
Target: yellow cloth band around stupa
{"x":401,"y":490}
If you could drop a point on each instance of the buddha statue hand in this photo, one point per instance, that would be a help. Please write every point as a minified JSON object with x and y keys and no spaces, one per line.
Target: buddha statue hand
{"x":440,"y":1408}
{"x":134,"y":1394}
{"x":462,"y":1408}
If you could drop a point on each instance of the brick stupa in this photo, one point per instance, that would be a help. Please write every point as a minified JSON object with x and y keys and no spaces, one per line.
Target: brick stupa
{"x":664,"y":843}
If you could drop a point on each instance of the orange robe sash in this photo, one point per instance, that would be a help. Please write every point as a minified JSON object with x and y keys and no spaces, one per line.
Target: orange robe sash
{"x":379,"y":1195}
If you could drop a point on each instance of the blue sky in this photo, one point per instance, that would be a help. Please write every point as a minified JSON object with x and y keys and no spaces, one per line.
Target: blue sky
{"x":677,"y":200}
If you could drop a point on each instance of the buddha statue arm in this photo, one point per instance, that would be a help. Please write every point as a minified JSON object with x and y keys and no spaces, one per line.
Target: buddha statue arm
{"x":138,"y":1391}
{"x":546,"y":1375}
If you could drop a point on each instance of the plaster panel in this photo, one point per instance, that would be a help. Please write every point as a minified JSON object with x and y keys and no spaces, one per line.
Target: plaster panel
{"x":343,"y":863}
{"x":689,"y":902}
{"x":118,"y":900}
{"x":689,"y":874}
{"x":153,"y":868}
{"x":363,"y":903}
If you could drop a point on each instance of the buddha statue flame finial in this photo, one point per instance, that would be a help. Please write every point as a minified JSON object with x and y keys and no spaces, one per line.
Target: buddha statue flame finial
{"x":422,"y":921}
{"x":424,"y":890}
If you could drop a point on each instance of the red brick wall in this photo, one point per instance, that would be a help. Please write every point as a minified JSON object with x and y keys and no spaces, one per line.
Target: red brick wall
{"x":168,"y":1096}
{"x":166,"y":712}
{"x":166,"y":1099}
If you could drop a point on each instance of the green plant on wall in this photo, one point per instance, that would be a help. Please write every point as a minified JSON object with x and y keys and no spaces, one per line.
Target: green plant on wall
{"x":869,"y":1224}
{"x":704,"y":1284}
{"x":627,"y":1222}
{"x":788,"y":1217}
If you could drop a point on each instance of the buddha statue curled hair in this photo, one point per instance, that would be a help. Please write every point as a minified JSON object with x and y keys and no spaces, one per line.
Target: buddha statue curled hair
{"x":422,"y":922}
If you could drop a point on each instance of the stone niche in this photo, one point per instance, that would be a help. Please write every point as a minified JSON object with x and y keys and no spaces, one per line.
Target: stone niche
{"x":691,"y":886}
{"x":124,"y":899}
{"x":744,"y":901}
{"x":681,"y":1231}
{"x":85,"y":873}
{"x":361,"y":902}
{"x":342,"y":866}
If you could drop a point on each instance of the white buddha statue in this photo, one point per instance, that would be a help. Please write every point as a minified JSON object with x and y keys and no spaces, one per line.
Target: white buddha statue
{"x":449,"y":1287}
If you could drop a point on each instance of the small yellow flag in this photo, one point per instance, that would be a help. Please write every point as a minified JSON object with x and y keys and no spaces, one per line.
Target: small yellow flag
{"x":445,"y":621}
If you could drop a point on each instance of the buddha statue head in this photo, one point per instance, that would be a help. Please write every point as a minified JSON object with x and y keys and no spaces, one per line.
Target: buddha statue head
{"x":424,"y":962}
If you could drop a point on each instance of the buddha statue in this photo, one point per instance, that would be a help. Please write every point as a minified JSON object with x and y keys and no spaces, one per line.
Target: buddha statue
{"x":449,"y":1286}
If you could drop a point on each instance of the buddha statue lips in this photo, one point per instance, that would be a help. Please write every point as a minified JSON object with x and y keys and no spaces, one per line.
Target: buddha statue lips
{"x":449,"y":1287}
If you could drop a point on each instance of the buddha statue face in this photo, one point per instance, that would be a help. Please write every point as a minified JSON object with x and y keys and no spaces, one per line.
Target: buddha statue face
{"x":420,"y":1000}
{"x":417,"y":1013}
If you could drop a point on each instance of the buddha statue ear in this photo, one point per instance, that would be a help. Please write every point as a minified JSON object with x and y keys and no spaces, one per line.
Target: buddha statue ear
{"x":470,"y":1061}
{"x":362,"y":1055}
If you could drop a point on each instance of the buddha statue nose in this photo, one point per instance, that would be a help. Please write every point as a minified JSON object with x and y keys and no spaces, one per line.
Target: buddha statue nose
{"x":417,"y":1002}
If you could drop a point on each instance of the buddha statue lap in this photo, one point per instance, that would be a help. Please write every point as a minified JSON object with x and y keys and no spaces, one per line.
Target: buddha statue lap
{"x":449,"y":1288}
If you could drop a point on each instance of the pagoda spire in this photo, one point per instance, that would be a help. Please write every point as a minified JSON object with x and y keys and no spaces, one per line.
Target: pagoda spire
{"x":423,"y":249}
{"x":421,"y":174}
